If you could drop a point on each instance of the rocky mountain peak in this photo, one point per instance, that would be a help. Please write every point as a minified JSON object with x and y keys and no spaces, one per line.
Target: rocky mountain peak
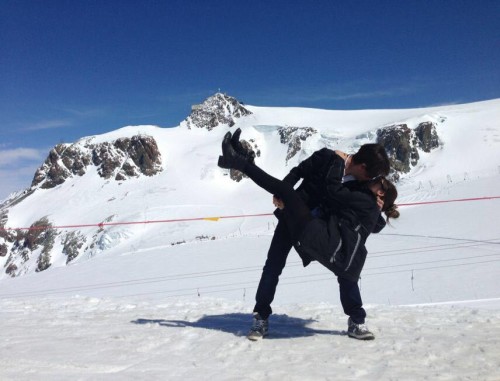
{"x":217,"y":109}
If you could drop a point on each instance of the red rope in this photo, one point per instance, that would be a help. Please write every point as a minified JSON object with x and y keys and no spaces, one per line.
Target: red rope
{"x":445,"y":201}
{"x":103,"y":224}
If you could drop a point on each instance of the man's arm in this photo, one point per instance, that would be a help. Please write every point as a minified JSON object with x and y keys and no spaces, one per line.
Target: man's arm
{"x":307,"y":166}
{"x":304,"y":170}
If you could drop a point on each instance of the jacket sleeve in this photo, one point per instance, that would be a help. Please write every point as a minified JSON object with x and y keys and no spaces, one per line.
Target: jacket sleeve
{"x":308,"y":166}
{"x":379,"y":225}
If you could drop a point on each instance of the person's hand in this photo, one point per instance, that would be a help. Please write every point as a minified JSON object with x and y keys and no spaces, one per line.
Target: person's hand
{"x":380,"y":202}
{"x":278,"y":202}
{"x":342,"y":154}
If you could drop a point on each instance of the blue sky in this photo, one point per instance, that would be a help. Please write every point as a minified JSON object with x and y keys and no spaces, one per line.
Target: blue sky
{"x":73,"y":68}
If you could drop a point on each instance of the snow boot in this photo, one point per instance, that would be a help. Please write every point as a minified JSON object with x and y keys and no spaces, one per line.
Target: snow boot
{"x":259,"y":328}
{"x":231,"y":159}
{"x":359,"y":331}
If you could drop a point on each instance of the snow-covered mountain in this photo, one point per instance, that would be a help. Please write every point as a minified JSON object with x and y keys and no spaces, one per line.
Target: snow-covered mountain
{"x":143,"y":173}
{"x":128,"y":274}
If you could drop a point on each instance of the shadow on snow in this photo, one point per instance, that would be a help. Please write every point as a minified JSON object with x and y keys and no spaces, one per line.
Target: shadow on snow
{"x":281,"y":326}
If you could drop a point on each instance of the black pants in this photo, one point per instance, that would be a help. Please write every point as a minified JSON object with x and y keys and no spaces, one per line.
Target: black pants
{"x":281,"y":245}
{"x":295,"y":217}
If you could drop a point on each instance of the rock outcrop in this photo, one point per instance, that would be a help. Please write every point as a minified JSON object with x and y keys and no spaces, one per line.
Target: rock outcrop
{"x":403,"y":144}
{"x":38,"y":240}
{"x":3,"y":249}
{"x":427,"y":136}
{"x":72,"y":245}
{"x":122,"y":159}
{"x":32,"y":249}
{"x":294,"y":137}
{"x":215,"y":110}
{"x":6,"y":236}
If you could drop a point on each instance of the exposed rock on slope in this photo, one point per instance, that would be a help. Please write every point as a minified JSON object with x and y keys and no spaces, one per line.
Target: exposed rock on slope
{"x":293,"y":137}
{"x":6,"y":236}
{"x":121,"y":159}
{"x":31,"y":249}
{"x":427,"y":136}
{"x":39,"y":239}
{"x":402,"y":144}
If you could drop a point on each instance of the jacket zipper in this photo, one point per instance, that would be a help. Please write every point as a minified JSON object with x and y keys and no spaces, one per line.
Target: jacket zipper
{"x":355,"y":247}
{"x":336,"y":250}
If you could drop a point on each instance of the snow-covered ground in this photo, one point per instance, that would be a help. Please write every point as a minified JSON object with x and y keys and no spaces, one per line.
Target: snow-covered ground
{"x":86,"y":338}
{"x":147,"y":309}
{"x":181,"y":312}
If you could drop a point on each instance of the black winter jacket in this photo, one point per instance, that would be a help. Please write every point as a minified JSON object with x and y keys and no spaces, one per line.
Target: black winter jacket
{"x":316,"y":171}
{"x":350,"y":212}
{"x":353,"y":215}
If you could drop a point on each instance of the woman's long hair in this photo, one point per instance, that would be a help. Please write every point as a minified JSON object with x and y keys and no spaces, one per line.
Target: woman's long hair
{"x":390,"y":194}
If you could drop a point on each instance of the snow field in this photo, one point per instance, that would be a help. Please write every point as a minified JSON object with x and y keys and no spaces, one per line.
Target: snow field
{"x":202,"y":338}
